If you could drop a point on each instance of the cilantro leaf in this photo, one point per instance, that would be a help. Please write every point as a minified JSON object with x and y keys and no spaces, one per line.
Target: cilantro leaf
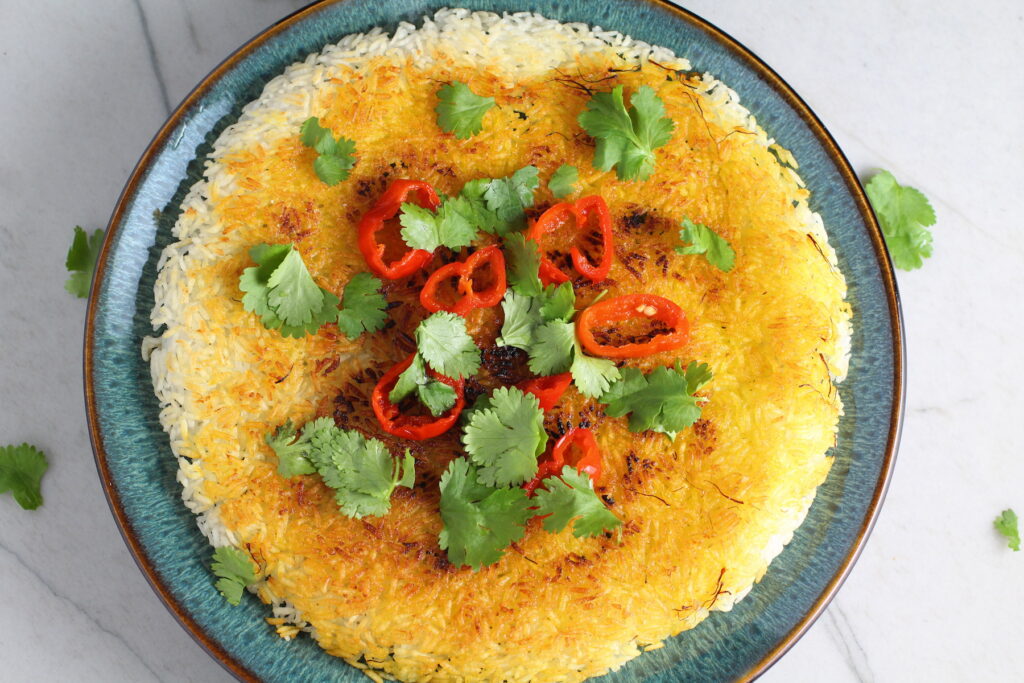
{"x":437,"y":396}
{"x":905,"y":215}
{"x":522,"y":316}
{"x":363,"y":306}
{"x":479,"y":521}
{"x":263,"y":298}
{"x":508,"y":198}
{"x":571,"y":496}
{"x":703,"y":240}
{"x":563,"y":180}
{"x":626,"y":138}
{"x":1006,"y":524}
{"x":361,"y":471}
{"x":551,"y":351}
{"x":335,"y":158}
{"x":235,"y":570}
{"x":292,"y":451}
{"x":21,"y":472}
{"x":523,"y":258}
{"x":661,"y":401}
{"x":445,"y":345}
{"x":460,"y":110}
{"x":506,"y":438}
{"x":592,"y":376}
{"x":558,"y":303}
{"x":474,"y":207}
{"x":81,"y":261}
{"x":449,"y":227}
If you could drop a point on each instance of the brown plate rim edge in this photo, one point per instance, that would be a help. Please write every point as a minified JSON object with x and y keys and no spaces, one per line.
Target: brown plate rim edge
{"x":777,"y":83}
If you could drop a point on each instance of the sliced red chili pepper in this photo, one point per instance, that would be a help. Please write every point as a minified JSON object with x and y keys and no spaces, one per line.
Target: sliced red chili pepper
{"x":415,"y":427}
{"x":464,"y":270}
{"x":547,"y":389}
{"x":387,"y":207}
{"x":620,"y":308}
{"x":582,"y":210}
{"x":576,"y":448}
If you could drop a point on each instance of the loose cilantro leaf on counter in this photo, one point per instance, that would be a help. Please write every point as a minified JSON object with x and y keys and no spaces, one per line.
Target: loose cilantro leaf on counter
{"x":905,"y":215}
{"x":460,"y":110}
{"x":281,"y":291}
{"x":479,"y":521}
{"x":571,"y":496}
{"x":292,"y":451}
{"x":450,"y":226}
{"x":363,"y":306}
{"x":508,"y":198}
{"x":703,"y":240}
{"x":1006,"y":524}
{"x":506,"y":438}
{"x":563,"y":181}
{"x":21,"y":472}
{"x":523,"y":258}
{"x":445,"y":345}
{"x":235,"y":570}
{"x":335,"y":155}
{"x":438,"y":397}
{"x":661,"y":401}
{"x":592,"y":376}
{"x":81,"y":261}
{"x":627,"y":138}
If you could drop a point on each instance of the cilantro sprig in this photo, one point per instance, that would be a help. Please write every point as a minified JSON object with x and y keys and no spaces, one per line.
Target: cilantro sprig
{"x":571,"y":496}
{"x":508,"y":198}
{"x":21,"y":472}
{"x":627,"y":137}
{"x":522,"y":257}
{"x":460,"y":110}
{"x":450,"y":226}
{"x":235,"y":571}
{"x":81,"y":261}
{"x":661,"y":401}
{"x":563,"y":181}
{"x":505,"y":438}
{"x":542,"y":326}
{"x":700,"y":239}
{"x":361,"y":471}
{"x":444,"y":343}
{"x":1006,"y":524}
{"x":282,"y":292}
{"x":905,"y":216}
{"x":363,"y":307}
{"x":479,"y":521}
{"x":335,"y":155}
{"x":437,"y":396}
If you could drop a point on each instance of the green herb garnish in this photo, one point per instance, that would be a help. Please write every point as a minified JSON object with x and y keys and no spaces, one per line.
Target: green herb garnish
{"x":281,"y":291}
{"x":437,"y":396}
{"x":505,"y":438}
{"x":905,"y":216}
{"x":701,"y":239}
{"x":335,"y":156}
{"x":363,"y":307}
{"x":235,"y":570}
{"x":1006,"y":524}
{"x":21,"y":472}
{"x":563,"y":181}
{"x":626,"y":138}
{"x":445,"y":345}
{"x":661,"y":401}
{"x":571,"y":496}
{"x":460,"y":110}
{"x":81,"y":261}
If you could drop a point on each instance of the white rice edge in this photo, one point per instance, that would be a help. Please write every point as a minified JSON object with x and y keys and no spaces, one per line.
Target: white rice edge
{"x":292,"y":94}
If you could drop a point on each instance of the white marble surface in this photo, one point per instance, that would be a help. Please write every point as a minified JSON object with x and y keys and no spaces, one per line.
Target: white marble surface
{"x":932,"y":91}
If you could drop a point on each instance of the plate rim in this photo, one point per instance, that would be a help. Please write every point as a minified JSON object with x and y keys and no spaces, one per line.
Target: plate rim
{"x":775,"y":82}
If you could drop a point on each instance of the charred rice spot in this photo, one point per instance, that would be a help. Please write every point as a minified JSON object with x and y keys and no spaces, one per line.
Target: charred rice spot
{"x":632,"y":220}
{"x":325,"y":366}
{"x":608,"y":500}
{"x":631,"y":462}
{"x":294,"y":225}
{"x":503,"y":365}
{"x":521,"y":114}
{"x":662,"y":262}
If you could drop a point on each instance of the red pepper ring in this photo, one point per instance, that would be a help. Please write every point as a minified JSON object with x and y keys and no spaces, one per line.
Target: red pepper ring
{"x":387,"y":207}
{"x":415,"y":427}
{"x":620,"y":308}
{"x":470,"y":298}
{"x":562,"y":455}
{"x":547,"y":389}
{"x":581,"y":211}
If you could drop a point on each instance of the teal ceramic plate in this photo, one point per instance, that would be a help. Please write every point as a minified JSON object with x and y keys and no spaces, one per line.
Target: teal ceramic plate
{"x":138,"y":469}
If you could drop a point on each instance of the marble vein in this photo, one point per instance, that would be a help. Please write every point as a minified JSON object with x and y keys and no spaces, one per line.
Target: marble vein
{"x":63,"y":597}
{"x":153,"y":59}
{"x":843,"y":635}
